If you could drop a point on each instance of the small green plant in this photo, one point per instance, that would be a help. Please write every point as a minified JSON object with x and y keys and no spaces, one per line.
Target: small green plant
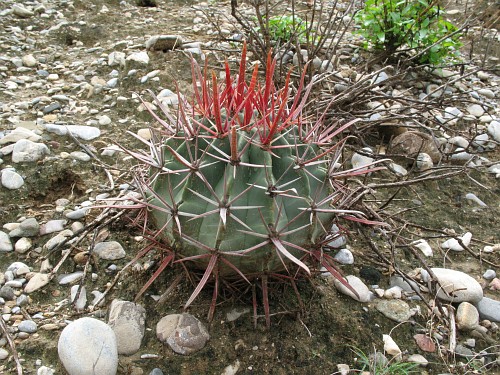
{"x":283,"y":29}
{"x":377,"y":364}
{"x":398,"y":25}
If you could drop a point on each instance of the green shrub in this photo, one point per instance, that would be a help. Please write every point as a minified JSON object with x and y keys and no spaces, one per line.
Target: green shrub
{"x":398,"y":25}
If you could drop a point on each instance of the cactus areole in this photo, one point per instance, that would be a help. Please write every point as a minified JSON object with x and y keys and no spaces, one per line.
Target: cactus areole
{"x":239,"y":184}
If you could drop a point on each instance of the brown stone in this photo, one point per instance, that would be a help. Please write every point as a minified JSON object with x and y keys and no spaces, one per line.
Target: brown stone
{"x":409,"y":144}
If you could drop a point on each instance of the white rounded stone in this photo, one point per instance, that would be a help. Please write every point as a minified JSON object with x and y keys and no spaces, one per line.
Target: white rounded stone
{"x":127,"y":320}
{"x":11,"y":179}
{"x":88,"y":346}
{"x":364,"y":294}
{"x":456,"y":286}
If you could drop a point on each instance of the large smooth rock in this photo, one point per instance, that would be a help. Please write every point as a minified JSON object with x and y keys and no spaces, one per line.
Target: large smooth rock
{"x":456,"y":286}
{"x":395,"y":309}
{"x":128,"y":321}
{"x":11,"y":179}
{"x":182,"y":332}
{"x":87,"y":346}
{"x":5,"y":243}
{"x":86,"y":133}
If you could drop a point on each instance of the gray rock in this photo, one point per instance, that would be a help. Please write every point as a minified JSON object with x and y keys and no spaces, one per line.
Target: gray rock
{"x":26,"y":151}
{"x":57,"y":239}
{"x":52,"y":226}
{"x":137,"y":60}
{"x":489,"y":309}
{"x":344,"y":256}
{"x":164,"y":42}
{"x":80,"y":155}
{"x":128,"y":321}
{"x":475,"y":110}
{"x":88,"y":346}
{"x":487,"y":93}
{"x":467,"y":316}
{"x":20,"y":133}
{"x":156,"y":371}
{"x":70,"y":278}
{"x":86,"y":133}
{"x":339,"y":241}
{"x":28,"y":326}
{"x":364,"y":294}
{"x":116,"y":58}
{"x":5,"y":243}
{"x":77,"y":214}
{"x":395,"y":309}
{"x":110,"y":250}
{"x":4,"y":354}
{"x":7,"y":293}
{"x":489,"y":274}
{"x":51,"y":108}
{"x":11,"y":179}
{"x":182,"y":332}
{"x":28,"y":228}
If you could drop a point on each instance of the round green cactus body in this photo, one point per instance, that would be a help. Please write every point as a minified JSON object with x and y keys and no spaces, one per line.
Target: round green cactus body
{"x":244,"y":202}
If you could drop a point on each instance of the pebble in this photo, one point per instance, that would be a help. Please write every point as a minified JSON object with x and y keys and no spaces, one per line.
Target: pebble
{"x":453,"y":244}
{"x":20,"y":133}
{"x":156,"y":371}
{"x":395,"y":309}
{"x":86,"y":133}
{"x":182,"y":332}
{"x":11,"y":179}
{"x":88,"y":346}
{"x":44,"y":370}
{"x":489,"y":274}
{"x":52,"y":226}
{"x":28,"y":326}
{"x":456,"y":286}
{"x":22,"y":12}
{"x":51,"y":108}
{"x":475,"y":110}
{"x":27,"y":228}
{"x":110,"y":250}
{"x":81,"y":302}
{"x":137,"y":60}
{"x":339,"y":239}
{"x":423,"y":246}
{"x":494,"y":130}
{"x":4,"y":354}
{"x":390,"y":346}
{"x":7,"y":293}
{"x":344,"y":256}
{"x":359,"y":161}
{"x":5,"y":243}
{"x":80,"y":155}
{"x":127,"y":320}
{"x":487,"y":93}
{"x":23,"y":245}
{"x":467,"y":317}
{"x":104,"y":120}
{"x":393,"y":293}
{"x":70,"y":278}
{"x":77,"y":214}
{"x":473,"y":197}
{"x":37,"y":281}
{"x":364,"y":294}
{"x":57,"y":239}
{"x":418,"y":358}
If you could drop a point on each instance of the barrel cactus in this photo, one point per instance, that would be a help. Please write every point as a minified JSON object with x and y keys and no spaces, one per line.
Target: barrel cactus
{"x":238,"y":184}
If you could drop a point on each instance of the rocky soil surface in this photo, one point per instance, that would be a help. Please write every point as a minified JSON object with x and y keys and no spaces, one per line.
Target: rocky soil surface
{"x":71,"y":73}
